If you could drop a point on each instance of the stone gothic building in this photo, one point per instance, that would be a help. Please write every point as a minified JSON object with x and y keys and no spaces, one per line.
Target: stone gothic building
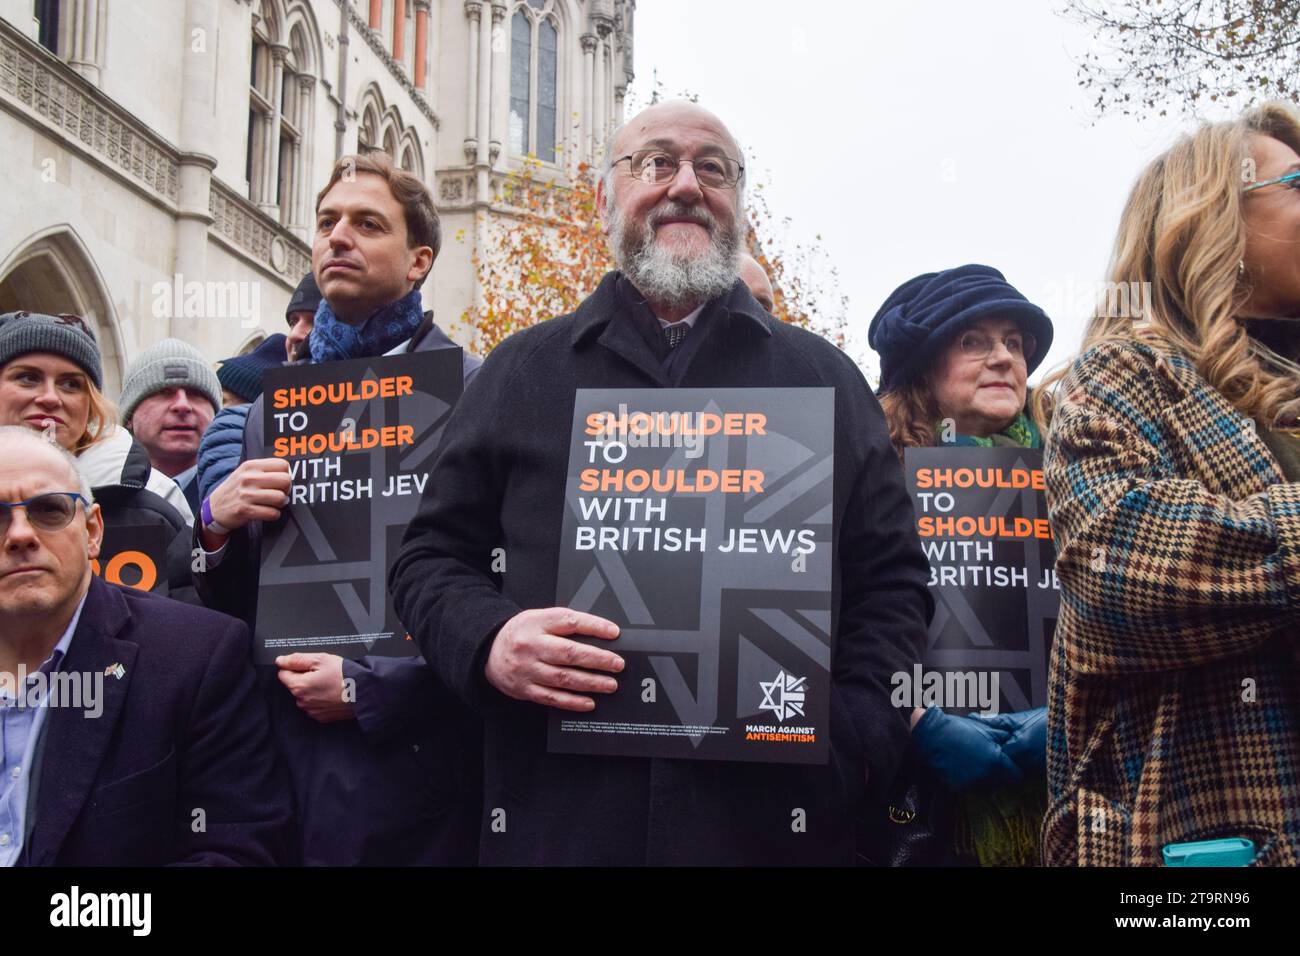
{"x":163,"y":156}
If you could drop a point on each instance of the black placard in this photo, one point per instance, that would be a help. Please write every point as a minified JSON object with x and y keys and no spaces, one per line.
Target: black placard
{"x":360,"y":437}
{"x":982,"y":517}
{"x":708,"y":539}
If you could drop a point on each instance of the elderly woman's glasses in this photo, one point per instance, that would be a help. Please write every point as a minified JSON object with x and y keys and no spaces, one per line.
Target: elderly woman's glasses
{"x":52,"y":511}
{"x":978,"y":345}
{"x":1290,"y":180}
{"x":656,"y":167}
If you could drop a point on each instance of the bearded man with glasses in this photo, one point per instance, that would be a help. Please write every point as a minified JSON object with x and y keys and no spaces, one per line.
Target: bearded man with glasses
{"x":674,"y":314}
{"x":130,"y":731}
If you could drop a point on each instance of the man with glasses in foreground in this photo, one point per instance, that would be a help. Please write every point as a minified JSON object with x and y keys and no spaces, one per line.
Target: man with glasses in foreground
{"x":130,"y":733}
{"x":674,"y":314}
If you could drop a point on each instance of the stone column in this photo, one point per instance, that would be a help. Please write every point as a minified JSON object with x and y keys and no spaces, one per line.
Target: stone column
{"x":474,"y":13}
{"x":196,"y":162}
{"x":83,"y":29}
{"x":500,"y":98}
{"x":588,"y":88}
{"x":376,"y":14}
{"x":484,"y":111}
{"x":399,"y":30}
{"x":300,"y":210}
{"x":600,"y":95}
{"x":421,"y":41}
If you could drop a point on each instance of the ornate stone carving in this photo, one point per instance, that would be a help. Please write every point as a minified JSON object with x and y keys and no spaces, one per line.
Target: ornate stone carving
{"x":451,"y":189}
{"x":47,"y":87}
{"x":258,"y":236}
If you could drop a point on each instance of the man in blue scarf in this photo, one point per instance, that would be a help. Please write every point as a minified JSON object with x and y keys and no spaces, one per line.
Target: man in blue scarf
{"x":388,"y":775}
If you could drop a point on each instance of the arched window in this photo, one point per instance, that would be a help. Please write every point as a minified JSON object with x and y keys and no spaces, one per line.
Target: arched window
{"x":291,"y":106}
{"x":534,"y":80}
{"x":283,"y":66}
{"x":547,"y":52}
{"x":521,"y":37}
{"x":297,"y":113}
{"x":260,"y":94}
{"x":368,"y":134}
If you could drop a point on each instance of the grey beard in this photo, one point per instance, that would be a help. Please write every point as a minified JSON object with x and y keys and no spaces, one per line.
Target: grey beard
{"x":665,"y":279}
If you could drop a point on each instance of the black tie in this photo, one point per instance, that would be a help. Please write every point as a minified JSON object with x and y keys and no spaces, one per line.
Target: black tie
{"x":675,"y":333}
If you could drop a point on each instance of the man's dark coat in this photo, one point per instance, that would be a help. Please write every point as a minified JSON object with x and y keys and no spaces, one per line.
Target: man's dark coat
{"x":179,"y":767}
{"x":398,"y":786}
{"x":499,"y":483}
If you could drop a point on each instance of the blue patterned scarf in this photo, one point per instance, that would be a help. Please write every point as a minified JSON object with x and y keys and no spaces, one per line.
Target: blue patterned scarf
{"x":333,"y":340}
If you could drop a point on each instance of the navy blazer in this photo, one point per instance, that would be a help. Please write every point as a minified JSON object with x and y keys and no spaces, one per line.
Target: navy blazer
{"x":179,"y":766}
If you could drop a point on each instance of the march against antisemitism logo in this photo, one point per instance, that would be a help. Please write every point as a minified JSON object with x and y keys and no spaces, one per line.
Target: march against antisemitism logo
{"x":783,"y":696}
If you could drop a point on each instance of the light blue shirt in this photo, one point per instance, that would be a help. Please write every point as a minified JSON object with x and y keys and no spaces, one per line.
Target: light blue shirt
{"x":20,"y":736}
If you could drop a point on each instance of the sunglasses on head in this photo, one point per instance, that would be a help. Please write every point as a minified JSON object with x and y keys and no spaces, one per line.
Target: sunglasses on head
{"x":52,"y":511}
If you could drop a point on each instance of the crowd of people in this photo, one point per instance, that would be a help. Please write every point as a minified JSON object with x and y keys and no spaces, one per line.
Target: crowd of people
{"x":1172,"y":461}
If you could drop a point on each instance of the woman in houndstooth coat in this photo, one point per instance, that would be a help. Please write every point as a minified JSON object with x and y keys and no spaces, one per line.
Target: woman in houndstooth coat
{"x":1173,"y":482}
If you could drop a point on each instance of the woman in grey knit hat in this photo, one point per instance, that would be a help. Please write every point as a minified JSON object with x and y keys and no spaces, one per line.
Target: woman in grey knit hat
{"x":50,"y":380}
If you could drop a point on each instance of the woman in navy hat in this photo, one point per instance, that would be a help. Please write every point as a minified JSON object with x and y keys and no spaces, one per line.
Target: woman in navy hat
{"x":956,"y":348}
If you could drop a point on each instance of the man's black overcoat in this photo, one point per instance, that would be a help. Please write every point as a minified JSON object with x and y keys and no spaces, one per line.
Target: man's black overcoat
{"x":499,"y":483}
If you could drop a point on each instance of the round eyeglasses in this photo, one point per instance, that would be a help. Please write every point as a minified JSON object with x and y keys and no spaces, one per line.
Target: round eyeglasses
{"x":977,"y":345}
{"x":52,"y":511}
{"x":656,"y":167}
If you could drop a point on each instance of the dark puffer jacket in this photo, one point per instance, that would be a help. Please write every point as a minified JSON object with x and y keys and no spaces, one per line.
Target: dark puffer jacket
{"x":131,"y":493}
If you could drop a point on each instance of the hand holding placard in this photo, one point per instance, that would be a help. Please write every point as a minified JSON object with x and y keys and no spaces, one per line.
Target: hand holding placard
{"x":255,"y":491}
{"x":532,"y":660}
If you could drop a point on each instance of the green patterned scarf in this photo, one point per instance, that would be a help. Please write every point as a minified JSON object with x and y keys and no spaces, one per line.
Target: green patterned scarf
{"x":1021,"y":433}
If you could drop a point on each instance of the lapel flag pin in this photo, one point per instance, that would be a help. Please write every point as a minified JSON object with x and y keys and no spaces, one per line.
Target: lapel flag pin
{"x":117,"y":670}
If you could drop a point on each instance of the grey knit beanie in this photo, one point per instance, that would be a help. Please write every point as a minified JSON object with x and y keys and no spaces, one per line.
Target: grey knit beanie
{"x":170,"y":363}
{"x":70,"y":336}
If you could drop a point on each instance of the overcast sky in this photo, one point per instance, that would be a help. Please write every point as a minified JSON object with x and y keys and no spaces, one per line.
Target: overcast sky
{"x":915,"y":136}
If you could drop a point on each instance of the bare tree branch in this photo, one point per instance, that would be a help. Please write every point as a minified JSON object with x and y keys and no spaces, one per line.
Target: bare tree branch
{"x":1154,"y":56}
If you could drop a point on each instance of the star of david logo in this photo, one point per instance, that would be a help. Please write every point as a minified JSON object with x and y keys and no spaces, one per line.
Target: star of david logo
{"x":783,"y":696}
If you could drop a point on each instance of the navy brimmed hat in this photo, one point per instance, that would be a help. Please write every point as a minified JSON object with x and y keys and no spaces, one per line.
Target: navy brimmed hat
{"x":923,"y":314}
{"x":305,"y":298}
{"x":242,"y":374}
{"x":70,"y":336}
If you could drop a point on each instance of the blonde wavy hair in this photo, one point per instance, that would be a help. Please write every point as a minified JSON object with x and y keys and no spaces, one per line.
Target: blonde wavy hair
{"x":101,"y":421}
{"x":1183,"y":234}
